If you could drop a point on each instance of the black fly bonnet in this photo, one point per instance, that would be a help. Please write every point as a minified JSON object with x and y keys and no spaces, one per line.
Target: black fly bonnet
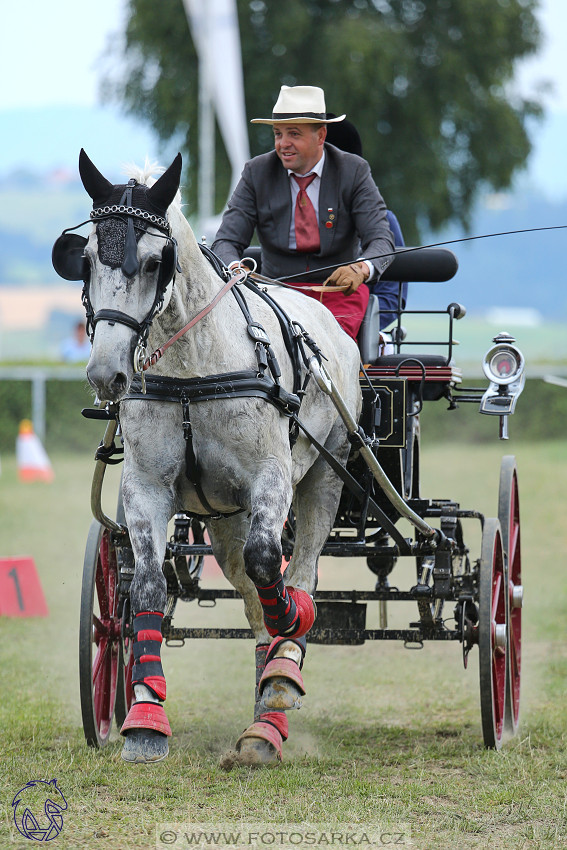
{"x":122,"y":214}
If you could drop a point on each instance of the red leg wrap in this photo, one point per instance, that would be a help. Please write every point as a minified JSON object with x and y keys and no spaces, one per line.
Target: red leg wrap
{"x":277,"y":719}
{"x":288,"y":611}
{"x":285,"y":667}
{"x":147,"y":715}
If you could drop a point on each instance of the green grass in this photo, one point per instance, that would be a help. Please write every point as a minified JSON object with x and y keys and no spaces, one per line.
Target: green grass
{"x":386,"y":735}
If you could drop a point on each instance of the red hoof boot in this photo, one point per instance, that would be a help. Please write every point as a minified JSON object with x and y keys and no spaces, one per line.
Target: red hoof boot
{"x":146,"y":730}
{"x":147,"y":715}
{"x":281,"y":686}
{"x":261,"y":743}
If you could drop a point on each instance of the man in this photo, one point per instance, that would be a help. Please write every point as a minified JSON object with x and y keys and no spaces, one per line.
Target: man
{"x":312,"y":206}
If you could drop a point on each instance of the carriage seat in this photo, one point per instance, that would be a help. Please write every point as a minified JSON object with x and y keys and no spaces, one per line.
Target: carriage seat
{"x":432,"y":370}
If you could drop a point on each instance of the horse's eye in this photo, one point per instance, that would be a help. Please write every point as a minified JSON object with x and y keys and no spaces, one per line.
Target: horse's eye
{"x":152,"y":266}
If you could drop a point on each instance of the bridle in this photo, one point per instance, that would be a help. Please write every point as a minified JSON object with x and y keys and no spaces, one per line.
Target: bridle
{"x":69,"y":245}
{"x":163,"y":292}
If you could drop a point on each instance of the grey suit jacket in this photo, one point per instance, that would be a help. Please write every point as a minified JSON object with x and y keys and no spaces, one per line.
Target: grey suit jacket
{"x":352,"y":217}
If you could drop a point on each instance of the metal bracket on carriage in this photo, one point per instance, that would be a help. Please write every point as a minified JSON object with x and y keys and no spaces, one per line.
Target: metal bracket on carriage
{"x":435,"y":538}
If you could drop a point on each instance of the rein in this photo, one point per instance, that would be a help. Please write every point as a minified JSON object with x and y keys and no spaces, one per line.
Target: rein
{"x":239,"y":277}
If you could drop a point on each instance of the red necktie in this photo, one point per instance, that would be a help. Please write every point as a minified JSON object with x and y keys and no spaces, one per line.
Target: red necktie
{"x":306,"y":227}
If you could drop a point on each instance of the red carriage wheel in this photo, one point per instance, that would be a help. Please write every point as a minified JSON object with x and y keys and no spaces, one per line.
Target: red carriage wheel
{"x":492,"y":634}
{"x":124,"y":690}
{"x":99,"y":636}
{"x":509,"y":516}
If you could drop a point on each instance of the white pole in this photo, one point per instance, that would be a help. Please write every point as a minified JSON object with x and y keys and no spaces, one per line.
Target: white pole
{"x":206,"y":124}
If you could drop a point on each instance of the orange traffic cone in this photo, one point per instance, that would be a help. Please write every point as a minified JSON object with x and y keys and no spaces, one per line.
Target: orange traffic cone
{"x":31,"y":457}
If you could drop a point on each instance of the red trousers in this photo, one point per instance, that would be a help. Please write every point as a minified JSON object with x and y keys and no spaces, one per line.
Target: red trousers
{"x":348,"y":310}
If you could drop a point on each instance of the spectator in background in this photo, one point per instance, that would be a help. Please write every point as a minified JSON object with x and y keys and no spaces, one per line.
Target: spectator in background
{"x":76,"y":348}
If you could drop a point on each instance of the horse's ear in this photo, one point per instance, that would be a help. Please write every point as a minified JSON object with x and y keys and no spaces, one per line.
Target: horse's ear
{"x":98,"y":187}
{"x":162,"y":193}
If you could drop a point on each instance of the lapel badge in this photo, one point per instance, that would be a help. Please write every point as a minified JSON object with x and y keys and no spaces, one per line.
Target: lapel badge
{"x":330,"y":218}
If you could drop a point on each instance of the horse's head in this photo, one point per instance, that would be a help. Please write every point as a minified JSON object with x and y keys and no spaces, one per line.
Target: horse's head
{"x":127,"y":264}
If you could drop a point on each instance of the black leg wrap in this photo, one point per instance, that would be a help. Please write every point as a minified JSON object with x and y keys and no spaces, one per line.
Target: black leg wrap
{"x":280,"y":611}
{"x":146,"y":646}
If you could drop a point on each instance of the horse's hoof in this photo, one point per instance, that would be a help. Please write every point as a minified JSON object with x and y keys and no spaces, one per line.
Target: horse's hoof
{"x":257,"y":752}
{"x":252,"y":752}
{"x":260,"y":745}
{"x":280,"y":694}
{"x":144,"y":746}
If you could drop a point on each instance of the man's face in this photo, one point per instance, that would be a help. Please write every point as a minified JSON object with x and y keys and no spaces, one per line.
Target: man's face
{"x":299,"y":146}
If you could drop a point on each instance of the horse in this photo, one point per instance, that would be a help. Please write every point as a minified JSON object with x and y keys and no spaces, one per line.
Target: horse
{"x":236,"y":458}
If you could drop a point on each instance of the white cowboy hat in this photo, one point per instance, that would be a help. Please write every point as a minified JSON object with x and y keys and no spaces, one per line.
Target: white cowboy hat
{"x":299,"y":105}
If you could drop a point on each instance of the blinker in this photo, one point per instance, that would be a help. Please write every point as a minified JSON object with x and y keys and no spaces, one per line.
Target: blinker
{"x":68,"y":256}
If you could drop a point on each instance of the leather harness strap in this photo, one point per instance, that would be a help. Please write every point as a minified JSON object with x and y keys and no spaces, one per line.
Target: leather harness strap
{"x":159,"y":352}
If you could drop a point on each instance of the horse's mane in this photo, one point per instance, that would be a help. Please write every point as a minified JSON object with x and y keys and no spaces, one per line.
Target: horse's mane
{"x":145,"y":175}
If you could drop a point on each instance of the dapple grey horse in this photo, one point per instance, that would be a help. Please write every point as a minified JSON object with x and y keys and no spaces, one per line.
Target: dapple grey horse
{"x":145,"y":279}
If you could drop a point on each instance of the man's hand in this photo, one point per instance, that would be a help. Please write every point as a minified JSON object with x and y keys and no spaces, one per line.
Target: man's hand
{"x":351,"y":276}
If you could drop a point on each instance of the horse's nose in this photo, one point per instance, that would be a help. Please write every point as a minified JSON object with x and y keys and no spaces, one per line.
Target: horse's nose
{"x":109,"y":384}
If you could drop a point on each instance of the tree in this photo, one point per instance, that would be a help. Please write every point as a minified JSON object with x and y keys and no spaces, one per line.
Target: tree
{"x":427,"y":82}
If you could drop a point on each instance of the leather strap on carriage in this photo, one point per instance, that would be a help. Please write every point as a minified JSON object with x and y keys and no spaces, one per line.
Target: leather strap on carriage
{"x":352,"y":484}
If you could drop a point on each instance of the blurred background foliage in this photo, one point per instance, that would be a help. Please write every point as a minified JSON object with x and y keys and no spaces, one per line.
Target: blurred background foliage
{"x":428,"y":84}
{"x":541,"y":414}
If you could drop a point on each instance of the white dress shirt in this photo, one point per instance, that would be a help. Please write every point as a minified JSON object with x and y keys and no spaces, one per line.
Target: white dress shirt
{"x":313,"y":195}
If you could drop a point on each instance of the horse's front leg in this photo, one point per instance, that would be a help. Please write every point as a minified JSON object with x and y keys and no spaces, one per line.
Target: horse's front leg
{"x":288,"y":613}
{"x":261,"y":743}
{"x":146,"y":728}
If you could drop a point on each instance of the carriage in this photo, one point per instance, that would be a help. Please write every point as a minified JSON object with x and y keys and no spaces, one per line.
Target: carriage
{"x":474,"y":598}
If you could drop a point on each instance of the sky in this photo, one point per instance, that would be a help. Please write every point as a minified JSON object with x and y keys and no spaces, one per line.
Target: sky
{"x":52,"y":54}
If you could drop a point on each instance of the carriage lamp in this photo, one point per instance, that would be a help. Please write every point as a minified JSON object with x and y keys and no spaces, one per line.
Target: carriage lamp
{"x":504,"y":366}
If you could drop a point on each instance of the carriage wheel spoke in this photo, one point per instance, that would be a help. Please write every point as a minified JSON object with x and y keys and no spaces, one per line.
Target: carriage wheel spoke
{"x":100,"y":658}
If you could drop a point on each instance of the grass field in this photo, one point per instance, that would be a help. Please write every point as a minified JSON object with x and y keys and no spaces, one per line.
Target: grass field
{"x":387,"y":737}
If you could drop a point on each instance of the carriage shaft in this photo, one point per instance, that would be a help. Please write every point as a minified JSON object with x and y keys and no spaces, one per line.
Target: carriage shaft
{"x":326,"y":384}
